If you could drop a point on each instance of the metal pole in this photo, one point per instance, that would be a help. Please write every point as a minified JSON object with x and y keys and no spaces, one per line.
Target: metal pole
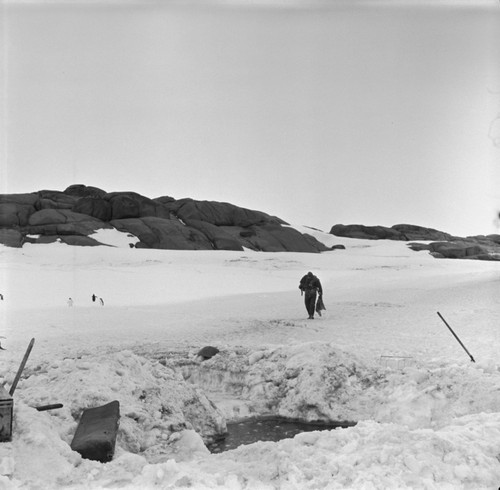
{"x":456,"y":336}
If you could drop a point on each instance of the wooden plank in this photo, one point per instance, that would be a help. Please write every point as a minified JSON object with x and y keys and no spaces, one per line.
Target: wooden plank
{"x":52,"y":406}
{"x":21,"y":367}
{"x":95,"y":436}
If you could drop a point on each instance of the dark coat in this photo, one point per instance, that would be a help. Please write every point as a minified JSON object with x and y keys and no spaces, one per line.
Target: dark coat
{"x":310,"y":283}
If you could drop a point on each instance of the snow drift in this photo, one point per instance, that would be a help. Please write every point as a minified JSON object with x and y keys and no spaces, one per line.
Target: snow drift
{"x":433,"y":422}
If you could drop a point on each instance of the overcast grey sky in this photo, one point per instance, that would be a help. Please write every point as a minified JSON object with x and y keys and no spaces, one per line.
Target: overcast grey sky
{"x":319,"y":112}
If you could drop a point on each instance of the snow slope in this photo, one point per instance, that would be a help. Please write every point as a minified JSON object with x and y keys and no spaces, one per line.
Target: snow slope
{"x":428,"y":417}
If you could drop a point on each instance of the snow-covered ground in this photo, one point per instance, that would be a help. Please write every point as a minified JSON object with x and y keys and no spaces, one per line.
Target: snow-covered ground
{"x":427,"y":416}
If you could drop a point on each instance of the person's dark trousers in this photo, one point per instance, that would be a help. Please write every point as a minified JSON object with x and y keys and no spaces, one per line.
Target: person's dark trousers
{"x":310,"y":302}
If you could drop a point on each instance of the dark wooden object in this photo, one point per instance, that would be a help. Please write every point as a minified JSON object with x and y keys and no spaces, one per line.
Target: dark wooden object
{"x":6,"y":409}
{"x":95,"y":436}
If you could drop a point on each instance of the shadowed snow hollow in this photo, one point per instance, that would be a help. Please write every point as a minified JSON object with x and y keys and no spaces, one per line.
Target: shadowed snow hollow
{"x":316,"y":381}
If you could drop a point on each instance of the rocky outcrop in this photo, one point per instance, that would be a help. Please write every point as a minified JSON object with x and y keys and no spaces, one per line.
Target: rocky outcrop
{"x":79,"y":240}
{"x":15,"y":209}
{"x":96,"y":207}
{"x":397,"y":232}
{"x":442,"y":245}
{"x":414,"y":232}
{"x":217,"y":235}
{"x":455,"y":250}
{"x":55,"y":200}
{"x":74,"y":214}
{"x":11,"y":238}
{"x":220,"y":213}
{"x":163,"y":234}
{"x":273,"y":237}
{"x":80,"y":190}
{"x":365,"y":232}
{"x":459,"y":249}
{"x":132,"y":205}
{"x":60,"y":222}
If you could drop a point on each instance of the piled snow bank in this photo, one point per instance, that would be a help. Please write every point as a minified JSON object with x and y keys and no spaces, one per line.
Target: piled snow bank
{"x":432,"y":396}
{"x":312,"y":382}
{"x":371,"y":455}
{"x":429,"y":444}
{"x":156,"y":406}
{"x":317,"y":381}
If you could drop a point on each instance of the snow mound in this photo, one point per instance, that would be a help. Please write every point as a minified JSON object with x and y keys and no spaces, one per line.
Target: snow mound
{"x":316,"y":381}
{"x":157,"y":407}
{"x":311,"y":382}
{"x":373,"y":456}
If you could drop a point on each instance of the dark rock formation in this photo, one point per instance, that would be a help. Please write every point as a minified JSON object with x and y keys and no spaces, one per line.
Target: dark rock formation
{"x":96,"y":207}
{"x":15,"y":209}
{"x":413,"y":232}
{"x":163,"y":234}
{"x":132,"y":205}
{"x":485,"y":240}
{"x":79,"y":240}
{"x":80,"y":190}
{"x":397,"y":232}
{"x":366,"y":232}
{"x":218,"y":236}
{"x":443,"y":245}
{"x":272,"y":237}
{"x":455,"y":250}
{"x":460,"y":249}
{"x":490,"y":238}
{"x":62,"y":222}
{"x":11,"y":238}
{"x":220,"y":213}
{"x":55,"y":200}
{"x":73,"y":215}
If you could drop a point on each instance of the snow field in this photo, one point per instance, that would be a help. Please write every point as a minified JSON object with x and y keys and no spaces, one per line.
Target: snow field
{"x":432,"y":423}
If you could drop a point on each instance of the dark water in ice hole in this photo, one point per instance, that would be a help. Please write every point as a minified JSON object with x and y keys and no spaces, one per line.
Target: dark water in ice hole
{"x":268,"y":429}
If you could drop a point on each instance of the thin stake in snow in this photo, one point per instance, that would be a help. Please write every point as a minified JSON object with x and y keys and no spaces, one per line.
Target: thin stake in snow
{"x":21,"y":367}
{"x":456,"y":336}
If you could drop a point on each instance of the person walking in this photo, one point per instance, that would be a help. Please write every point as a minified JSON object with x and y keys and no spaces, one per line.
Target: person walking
{"x":311,"y":286}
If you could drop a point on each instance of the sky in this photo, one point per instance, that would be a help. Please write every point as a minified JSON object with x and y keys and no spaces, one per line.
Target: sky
{"x":371,"y":112}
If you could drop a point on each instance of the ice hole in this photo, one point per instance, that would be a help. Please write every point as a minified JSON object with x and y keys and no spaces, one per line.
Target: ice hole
{"x":268,"y":428}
